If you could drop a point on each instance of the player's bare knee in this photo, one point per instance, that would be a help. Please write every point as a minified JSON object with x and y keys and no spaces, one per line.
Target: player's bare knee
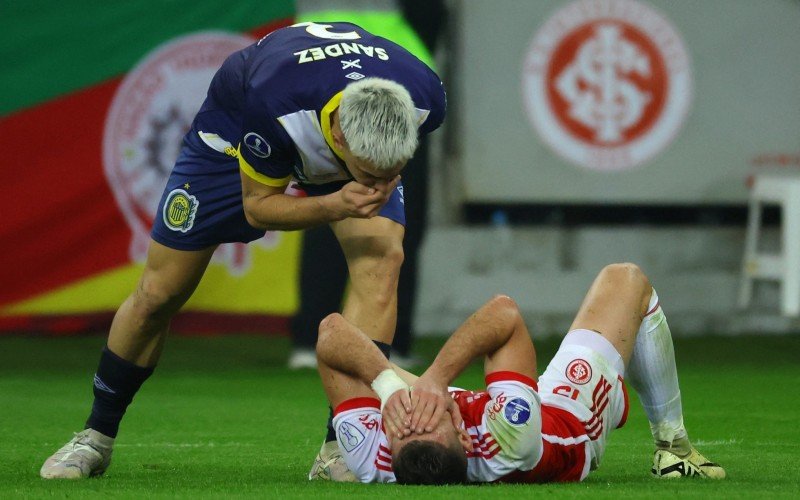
{"x":504,"y":302}
{"x":626,"y":273}
{"x":505,"y":309}
{"x":327,"y":327}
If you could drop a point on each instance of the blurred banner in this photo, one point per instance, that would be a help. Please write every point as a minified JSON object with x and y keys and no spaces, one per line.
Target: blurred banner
{"x":625,"y":101}
{"x":96,"y":97}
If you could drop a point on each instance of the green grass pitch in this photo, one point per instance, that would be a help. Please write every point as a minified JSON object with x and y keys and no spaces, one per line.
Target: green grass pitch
{"x":223,"y":418}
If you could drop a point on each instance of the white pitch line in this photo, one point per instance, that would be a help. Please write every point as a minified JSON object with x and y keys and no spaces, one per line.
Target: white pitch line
{"x":727,"y":442}
{"x":185,"y":445}
{"x":718,"y":442}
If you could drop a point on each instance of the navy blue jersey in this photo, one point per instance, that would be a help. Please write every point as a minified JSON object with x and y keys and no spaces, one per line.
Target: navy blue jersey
{"x":272,"y":101}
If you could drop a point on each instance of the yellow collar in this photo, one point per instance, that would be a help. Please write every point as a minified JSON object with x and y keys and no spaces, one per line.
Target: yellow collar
{"x":325,"y":122}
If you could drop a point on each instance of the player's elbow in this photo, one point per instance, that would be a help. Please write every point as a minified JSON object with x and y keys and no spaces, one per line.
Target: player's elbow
{"x":250,"y":214}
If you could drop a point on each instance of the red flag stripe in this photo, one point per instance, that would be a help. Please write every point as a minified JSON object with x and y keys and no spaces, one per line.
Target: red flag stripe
{"x":63,"y":223}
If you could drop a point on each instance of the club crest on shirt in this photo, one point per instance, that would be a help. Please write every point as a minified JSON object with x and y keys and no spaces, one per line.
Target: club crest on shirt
{"x":517,"y":411}
{"x":179,"y":210}
{"x":350,"y":437}
{"x":579,"y":372}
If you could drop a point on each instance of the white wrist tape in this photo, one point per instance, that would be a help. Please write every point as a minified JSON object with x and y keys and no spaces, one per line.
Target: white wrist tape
{"x":387,"y":383}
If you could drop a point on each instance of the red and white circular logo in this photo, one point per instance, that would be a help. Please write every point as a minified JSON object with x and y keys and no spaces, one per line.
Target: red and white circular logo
{"x":151,"y":111}
{"x":579,"y":372}
{"x":607,"y":83}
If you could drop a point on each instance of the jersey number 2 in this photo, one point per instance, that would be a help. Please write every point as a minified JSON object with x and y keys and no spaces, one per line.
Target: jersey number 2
{"x":321,"y":31}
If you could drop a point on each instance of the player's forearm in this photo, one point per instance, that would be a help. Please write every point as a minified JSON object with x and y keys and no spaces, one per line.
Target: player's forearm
{"x":347,"y":349}
{"x":280,"y":212}
{"x":408,"y":377}
{"x":483,"y":334}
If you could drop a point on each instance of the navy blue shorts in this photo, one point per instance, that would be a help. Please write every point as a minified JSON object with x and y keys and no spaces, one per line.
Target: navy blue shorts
{"x":202,"y":203}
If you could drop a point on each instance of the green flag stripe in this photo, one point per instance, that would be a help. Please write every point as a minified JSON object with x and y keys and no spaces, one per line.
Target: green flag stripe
{"x":51,"y":48}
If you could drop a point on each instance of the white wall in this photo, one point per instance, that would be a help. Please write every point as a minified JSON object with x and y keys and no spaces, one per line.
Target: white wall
{"x":742,"y":111}
{"x":744,"y":117}
{"x":694,"y":270}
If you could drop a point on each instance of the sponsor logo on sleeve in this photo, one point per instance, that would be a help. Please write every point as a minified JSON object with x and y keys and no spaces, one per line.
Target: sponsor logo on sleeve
{"x":350,"y":436}
{"x":368,"y":421}
{"x":257,"y":145}
{"x":497,"y":406}
{"x":517,"y":411}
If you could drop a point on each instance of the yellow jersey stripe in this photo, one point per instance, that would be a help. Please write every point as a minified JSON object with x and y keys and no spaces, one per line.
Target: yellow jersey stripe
{"x":263,"y":179}
{"x":325,"y":122}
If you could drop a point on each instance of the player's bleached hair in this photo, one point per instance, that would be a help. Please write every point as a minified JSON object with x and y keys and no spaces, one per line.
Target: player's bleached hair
{"x":379,"y":122}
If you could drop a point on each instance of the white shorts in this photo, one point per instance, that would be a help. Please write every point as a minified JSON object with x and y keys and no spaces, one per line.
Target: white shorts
{"x":585,"y":379}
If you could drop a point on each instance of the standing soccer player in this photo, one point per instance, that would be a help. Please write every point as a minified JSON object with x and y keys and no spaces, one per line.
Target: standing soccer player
{"x":329,"y":105}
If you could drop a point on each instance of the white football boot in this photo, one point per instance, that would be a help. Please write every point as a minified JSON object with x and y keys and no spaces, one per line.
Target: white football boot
{"x":301,"y":359}
{"x":668,"y":464}
{"x":85,"y":455}
{"x":330,"y":465}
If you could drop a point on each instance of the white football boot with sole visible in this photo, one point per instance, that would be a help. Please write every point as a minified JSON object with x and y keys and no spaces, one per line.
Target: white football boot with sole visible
{"x":330,"y":465}
{"x":301,"y":359}
{"x":668,"y":464}
{"x":87,"y":454}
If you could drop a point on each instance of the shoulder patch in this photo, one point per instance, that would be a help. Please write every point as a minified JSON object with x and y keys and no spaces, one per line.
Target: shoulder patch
{"x":517,"y":411}
{"x":350,"y":436}
{"x":257,"y":145}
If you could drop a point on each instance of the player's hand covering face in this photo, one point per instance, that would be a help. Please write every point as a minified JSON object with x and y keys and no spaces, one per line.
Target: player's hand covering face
{"x":379,"y":183}
{"x":363,"y":202}
{"x":367,"y":174}
{"x":448,"y":430}
{"x":430,"y":400}
{"x":397,"y":415}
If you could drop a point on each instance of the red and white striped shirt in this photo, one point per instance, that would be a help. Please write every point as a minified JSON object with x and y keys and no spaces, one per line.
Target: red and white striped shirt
{"x":515,"y":438}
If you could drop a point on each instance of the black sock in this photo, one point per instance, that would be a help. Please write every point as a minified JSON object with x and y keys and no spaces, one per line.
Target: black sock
{"x":331,"y":435}
{"x":385,"y":348}
{"x":115,"y":384}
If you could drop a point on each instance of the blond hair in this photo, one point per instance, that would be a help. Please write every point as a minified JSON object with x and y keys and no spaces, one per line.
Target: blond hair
{"x":379,"y":122}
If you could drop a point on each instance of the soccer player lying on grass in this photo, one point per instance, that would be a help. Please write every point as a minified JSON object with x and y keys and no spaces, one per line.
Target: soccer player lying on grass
{"x":518,"y":429}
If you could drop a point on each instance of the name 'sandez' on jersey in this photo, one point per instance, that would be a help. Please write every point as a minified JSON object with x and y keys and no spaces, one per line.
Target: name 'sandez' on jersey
{"x":272,"y":91}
